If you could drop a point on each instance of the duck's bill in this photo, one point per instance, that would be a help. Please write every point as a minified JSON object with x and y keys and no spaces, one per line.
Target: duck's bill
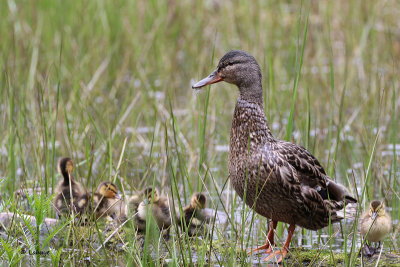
{"x":374,"y":214}
{"x":212,"y":78}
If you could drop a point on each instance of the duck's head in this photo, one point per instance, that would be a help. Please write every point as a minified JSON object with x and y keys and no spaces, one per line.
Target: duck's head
{"x":65,"y":166}
{"x":376,"y":209}
{"x":236,"y":67}
{"x":150,"y":193}
{"x":198,"y":201}
{"x":108,"y":190}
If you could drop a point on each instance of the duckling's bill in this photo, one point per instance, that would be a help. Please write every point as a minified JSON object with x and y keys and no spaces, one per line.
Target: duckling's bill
{"x":214,"y":77}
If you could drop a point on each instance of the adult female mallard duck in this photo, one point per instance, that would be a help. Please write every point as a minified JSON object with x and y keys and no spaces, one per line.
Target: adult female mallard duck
{"x":375,"y":224}
{"x":106,"y":201}
{"x":194,"y":217}
{"x":284,"y":181}
{"x":68,"y":190}
{"x":157,"y":206}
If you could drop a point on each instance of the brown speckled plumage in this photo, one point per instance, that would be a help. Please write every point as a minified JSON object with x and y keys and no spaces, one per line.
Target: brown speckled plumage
{"x":285,"y":176}
{"x":284,"y":181}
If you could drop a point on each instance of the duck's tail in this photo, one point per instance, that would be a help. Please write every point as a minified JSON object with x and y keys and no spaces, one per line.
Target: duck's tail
{"x":338,"y":192}
{"x":346,"y":208}
{"x":341,"y":203}
{"x":349,"y":212}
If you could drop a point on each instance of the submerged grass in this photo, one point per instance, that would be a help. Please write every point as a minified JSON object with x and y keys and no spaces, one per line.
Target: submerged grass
{"x":109,"y":85}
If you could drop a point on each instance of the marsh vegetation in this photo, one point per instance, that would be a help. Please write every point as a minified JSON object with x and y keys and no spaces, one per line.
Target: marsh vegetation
{"x":108,"y":83}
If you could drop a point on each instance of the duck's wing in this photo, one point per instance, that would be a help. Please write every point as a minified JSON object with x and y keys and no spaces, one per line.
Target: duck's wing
{"x":309,"y":172}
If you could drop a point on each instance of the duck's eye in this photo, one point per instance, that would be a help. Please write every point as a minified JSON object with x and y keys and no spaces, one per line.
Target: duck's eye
{"x":230,"y":63}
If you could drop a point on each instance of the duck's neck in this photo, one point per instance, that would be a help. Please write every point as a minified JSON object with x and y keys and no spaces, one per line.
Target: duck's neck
{"x":252,"y":92}
{"x":249,"y":123}
{"x":67,"y":177}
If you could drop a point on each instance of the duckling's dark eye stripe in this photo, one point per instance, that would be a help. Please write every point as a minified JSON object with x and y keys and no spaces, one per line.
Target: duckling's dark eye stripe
{"x":112,"y":190}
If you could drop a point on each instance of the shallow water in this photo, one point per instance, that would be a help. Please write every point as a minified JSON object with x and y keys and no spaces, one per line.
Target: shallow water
{"x":255,"y":231}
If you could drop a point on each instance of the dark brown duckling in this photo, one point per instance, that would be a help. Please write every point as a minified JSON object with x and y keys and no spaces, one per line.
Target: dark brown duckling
{"x":194,"y":217}
{"x":159,"y":211}
{"x":106,"y":201}
{"x":68,"y":190}
{"x":288,"y":182}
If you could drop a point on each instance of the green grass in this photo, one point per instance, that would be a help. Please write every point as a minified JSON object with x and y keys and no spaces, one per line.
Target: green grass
{"x":109,"y":84}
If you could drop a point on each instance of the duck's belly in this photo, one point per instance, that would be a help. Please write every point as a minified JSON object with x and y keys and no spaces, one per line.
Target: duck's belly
{"x":275,"y":200}
{"x":378,"y":230}
{"x":264,"y":198}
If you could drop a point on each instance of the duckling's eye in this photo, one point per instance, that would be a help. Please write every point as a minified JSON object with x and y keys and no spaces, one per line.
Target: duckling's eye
{"x":230,"y":63}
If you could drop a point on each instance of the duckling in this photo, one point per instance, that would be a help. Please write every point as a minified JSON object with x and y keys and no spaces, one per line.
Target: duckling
{"x":68,"y":190}
{"x":375,"y":224}
{"x":135,"y":200}
{"x":106,"y":201}
{"x":194,"y":216}
{"x":160,"y":210}
{"x":109,"y":201}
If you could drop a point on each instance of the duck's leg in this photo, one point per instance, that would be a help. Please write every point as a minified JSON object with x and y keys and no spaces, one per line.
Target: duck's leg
{"x":377,"y":248}
{"x":269,"y":242}
{"x":166,"y":235}
{"x":279,"y":255}
{"x":368,"y":251}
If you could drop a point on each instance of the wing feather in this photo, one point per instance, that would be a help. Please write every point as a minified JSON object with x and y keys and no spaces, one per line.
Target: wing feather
{"x":308,"y":169}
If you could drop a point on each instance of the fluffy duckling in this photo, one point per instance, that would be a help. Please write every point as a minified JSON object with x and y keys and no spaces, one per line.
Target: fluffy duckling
{"x":194,"y":216}
{"x":159,"y":207}
{"x":106,"y":201}
{"x":375,"y":224}
{"x":68,"y":190}
{"x":135,"y":200}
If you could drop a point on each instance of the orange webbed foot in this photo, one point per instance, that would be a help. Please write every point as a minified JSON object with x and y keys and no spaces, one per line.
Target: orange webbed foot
{"x":277,"y":256}
{"x":266,"y":246}
{"x":268,"y":243}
